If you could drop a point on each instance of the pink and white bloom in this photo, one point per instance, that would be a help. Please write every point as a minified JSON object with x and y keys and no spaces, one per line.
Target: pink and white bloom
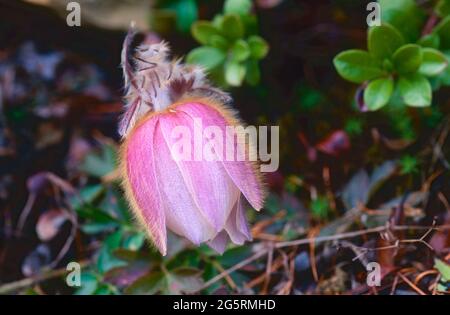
{"x":201,"y":200}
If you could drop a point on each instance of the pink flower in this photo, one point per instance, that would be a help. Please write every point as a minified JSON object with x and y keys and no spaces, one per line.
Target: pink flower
{"x":199,"y":200}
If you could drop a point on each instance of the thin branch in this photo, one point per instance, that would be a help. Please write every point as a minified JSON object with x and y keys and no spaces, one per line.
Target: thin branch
{"x":234,"y":268}
{"x":27,"y":282}
{"x":317,"y":240}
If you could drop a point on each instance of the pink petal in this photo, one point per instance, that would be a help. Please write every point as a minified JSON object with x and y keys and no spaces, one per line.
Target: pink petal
{"x":141,"y":180}
{"x":183,"y":215}
{"x":236,"y":226}
{"x":207,"y":181}
{"x":219,"y":243}
{"x":242,"y":173}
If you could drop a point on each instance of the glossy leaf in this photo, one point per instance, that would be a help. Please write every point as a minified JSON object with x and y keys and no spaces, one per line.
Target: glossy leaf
{"x":407,"y":59}
{"x":357,"y":66}
{"x":240,"y":50}
{"x":434,"y":62}
{"x":258,"y":47}
{"x":202,"y":31}
{"x":237,"y":6}
{"x":384,"y":40}
{"x":219,"y":42}
{"x":208,"y":57}
{"x":378,"y":93}
{"x":234,"y":73}
{"x":232,"y":27}
{"x":415,"y":90}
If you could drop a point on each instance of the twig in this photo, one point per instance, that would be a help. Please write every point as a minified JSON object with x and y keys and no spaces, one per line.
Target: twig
{"x":412,"y":285}
{"x":312,"y":255}
{"x":25,"y":212}
{"x":317,"y":240}
{"x":379,"y":229}
{"x":268,"y":269}
{"x":234,"y":268}
{"x":27,"y":282}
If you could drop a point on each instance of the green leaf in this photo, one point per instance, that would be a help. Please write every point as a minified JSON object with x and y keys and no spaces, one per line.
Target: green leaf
{"x":444,"y":78}
{"x":219,"y":42}
{"x":234,"y":73}
{"x":135,"y":241}
{"x":415,"y":90}
{"x":217,"y":20}
{"x":241,"y":7}
{"x":408,"y":165}
{"x":434,"y":62}
{"x":378,"y":93}
{"x":232,"y":27}
{"x":100,"y":163}
{"x":202,"y":31}
{"x":186,"y":13}
{"x":89,"y":284}
{"x":443,"y":30}
{"x":86,"y":194}
{"x":208,"y":57}
{"x":97,"y":227}
{"x":404,"y":15}
{"x":185,"y":280}
{"x":320,"y":207}
{"x":443,"y":268}
{"x":384,"y":40}
{"x":253,"y":74}
{"x":148,"y":284}
{"x":258,"y":47}
{"x":443,"y":8}
{"x":357,"y":66}
{"x":431,"y":40}
{"x":240,"y":50}
{"x":408,"y":58}
{"x":106,"y":260}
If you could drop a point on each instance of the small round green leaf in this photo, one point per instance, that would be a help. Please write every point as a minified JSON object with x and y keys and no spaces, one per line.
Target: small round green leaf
{"x":234,"y":73}
{"x":434,"y":62}
{"x":241,"y":7}
{"x":415,"y":90}
{"x":240,"y":50}
{"x":378,"y":93}
{"x":218,"y":41}
{"x":258,"y":47}
{"x":202,"y":31}
{"x":384,"y":40}
{"x":407,"y":59}
{"x":357,"y":66}
{"x":232,"y":26}
{"x":208,"y":57}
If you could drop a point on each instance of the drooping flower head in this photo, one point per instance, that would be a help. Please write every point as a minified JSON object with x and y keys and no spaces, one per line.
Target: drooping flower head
{"x":180,"y":159}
